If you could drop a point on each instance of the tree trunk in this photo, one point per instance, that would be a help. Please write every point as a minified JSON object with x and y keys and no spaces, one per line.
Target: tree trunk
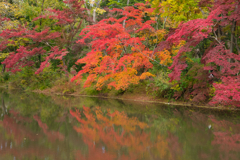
{"x":124,"y":22}
{"x":65,"y":68}
{"x":41,"y":12}
{"x":94,"y":15}
{"x":39,"y":60}
{"x":3,"y":68}
{"x":164,"y":22}
{"x":219,"y":33}
{"x":232,"y":36}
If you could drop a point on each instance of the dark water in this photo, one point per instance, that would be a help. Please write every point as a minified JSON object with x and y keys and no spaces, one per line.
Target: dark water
{"x":35,"y":126}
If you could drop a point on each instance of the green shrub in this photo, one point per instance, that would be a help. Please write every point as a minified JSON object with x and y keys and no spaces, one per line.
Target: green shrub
{"x":159,"y":86}
{"x":27,"y":79}
{"x":4,"y":77}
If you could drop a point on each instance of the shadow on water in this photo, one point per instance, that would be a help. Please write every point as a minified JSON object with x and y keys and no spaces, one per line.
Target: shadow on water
{"x":36,"y":126}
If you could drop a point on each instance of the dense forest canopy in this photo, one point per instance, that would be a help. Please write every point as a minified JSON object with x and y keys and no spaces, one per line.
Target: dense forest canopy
{"x":186,"y":49}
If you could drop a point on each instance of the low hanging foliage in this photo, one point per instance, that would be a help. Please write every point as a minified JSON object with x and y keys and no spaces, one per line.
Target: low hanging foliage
{"x":118,"y":57}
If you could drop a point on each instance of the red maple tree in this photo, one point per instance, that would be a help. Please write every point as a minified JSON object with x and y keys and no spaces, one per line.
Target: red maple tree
{"x":223,"y":13}
{"x":41,"y":42}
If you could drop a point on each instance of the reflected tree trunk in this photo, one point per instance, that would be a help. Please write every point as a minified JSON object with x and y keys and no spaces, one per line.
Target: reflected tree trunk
{"x":3,"y":106}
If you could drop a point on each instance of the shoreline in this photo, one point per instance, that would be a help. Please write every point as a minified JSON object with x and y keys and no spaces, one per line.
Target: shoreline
{"x":143,"y":98}
{"x":147,"y":98}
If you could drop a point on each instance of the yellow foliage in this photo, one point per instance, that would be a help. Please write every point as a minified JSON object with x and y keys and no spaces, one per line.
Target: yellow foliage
{"x":100,"y":11}
{"x":153,"y":37}
{"x":178,"y":11}
{"x":165,"y":57}
{"x":176,"y":86}
{"x":8,"y":10}
{"x":23,"y":81}
{"x":10,"y":25}
{"x":189,"y":60}
{"x":18,"y":42}
{"x":146,"y":75}
{"x":175,"y":49}
{"x":3,"y":55}
{"x":212,"y":91}
{"x":91,"y":2}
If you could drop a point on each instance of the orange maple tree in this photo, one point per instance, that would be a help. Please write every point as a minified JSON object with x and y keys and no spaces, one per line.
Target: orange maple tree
{"x":119,"y":55}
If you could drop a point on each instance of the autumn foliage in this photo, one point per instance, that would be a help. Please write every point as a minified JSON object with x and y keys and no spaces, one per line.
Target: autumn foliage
{"x":195,"y":42}
{"x":117,"y":55}
{"x":218,"y":54}
{"x":40,"y":43}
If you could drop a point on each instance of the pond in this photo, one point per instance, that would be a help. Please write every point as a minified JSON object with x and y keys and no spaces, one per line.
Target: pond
{"x":35,"y":126}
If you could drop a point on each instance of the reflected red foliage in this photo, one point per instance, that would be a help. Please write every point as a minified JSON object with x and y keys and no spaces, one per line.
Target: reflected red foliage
{"x":18,"y":131}
{"x":18,"y":117}
{"x":52,"y":135}
{"x":22,"y":153}
{"x":226,"y":138}
{"x":174,"y":146}
{"x":17,"y":135}
{"x":96,"y":154}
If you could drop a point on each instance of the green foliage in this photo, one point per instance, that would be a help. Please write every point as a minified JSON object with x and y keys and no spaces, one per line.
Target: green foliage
{"x":31,"y":8}
{"x":92,"y":90}
{"x":119,"y":3}
{"x":212,"y":92}
{"x":178,"y":11}
{"x":159,"y":86}
{"x":4,"y":77}
{"x":27,"y":79}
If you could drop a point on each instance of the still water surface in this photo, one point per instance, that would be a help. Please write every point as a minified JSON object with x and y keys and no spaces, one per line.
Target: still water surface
{"x":35,"y":126}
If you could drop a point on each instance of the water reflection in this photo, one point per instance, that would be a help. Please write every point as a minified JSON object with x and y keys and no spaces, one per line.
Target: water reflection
{"x":226,"y":138}
{"x":51,"y":135}
{"x":34,"y":126}
{"x":116,"y":136}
